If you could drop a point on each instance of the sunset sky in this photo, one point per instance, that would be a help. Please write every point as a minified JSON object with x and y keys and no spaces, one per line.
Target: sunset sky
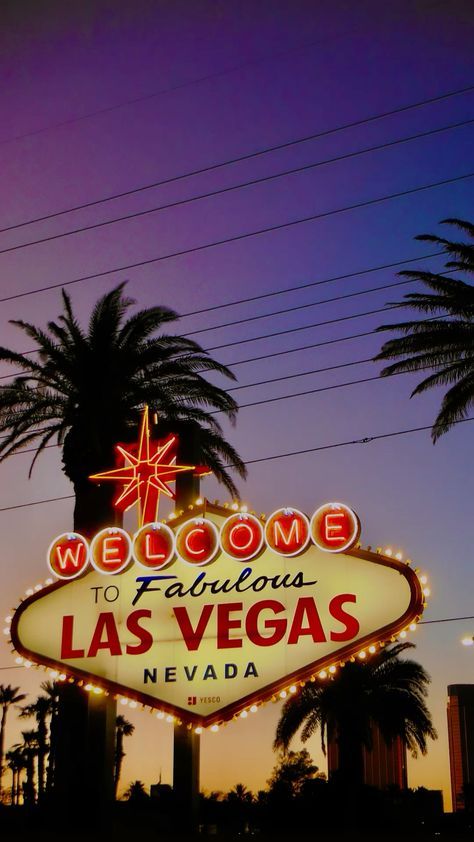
{"x":100,"y":98}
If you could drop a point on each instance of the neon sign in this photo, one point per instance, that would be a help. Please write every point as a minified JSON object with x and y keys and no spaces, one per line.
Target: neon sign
{"x":227,"y":634}
{"x":333,"y":528}
{"x":207,"y":615}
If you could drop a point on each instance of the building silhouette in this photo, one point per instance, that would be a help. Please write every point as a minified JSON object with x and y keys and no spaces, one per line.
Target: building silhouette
{"x":461,"y":744}
{"x":385,"y":765}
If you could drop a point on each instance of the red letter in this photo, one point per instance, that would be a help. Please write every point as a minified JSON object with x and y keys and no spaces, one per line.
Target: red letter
{"x":145,"y":637}
{"x":306,"y":607}
{"x":106,"y":622}
{"x":225,"y":624}
{"x":192,"y":637}
{"x":278,"y":626}
{"x":66,"y":640}
{"x":351,"y":624}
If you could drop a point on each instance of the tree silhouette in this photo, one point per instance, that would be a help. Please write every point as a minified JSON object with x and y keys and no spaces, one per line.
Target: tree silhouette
{"x":291,"y":772}
{"x":16,"y":763}
{"x":30,"y":747}
{"x":386,"y":690}
{"x":123,"y":728}
{"x":41,"y":709}
{"x":51,"y":691}
{"x":8,"y":696}
{"x":443,"y":342}
{"x":86,"y":391}
{"x":136,"y":792}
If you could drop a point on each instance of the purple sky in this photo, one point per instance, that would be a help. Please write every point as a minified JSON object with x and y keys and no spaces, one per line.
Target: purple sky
{"x":213,"y":81}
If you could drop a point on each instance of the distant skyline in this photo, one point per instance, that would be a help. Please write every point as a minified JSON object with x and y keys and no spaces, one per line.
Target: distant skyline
{"x":102,"y":98}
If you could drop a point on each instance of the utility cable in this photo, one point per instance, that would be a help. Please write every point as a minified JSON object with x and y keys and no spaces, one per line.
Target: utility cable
{"x":180,"y":85}
{"x":365,"y":440}
{"x":281,"y":397}
{"x":269,"y":335}
{"x":273,"y":293}
{"x":281,"y":333}
{"x":246,"y":235}
{"x":306,"y":306}
{"x":246,"y":157}
{"x":224,"y":190}
{"x":309,"y":284}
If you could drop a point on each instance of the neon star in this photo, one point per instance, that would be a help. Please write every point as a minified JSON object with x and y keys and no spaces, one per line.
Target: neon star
{"x":148,"y":467}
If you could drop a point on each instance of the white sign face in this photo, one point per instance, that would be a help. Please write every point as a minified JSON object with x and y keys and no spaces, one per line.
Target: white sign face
{"x":205,"y":642}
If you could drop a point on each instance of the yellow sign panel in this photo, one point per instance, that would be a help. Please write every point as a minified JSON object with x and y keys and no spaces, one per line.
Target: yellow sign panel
{"x":205,"y":642}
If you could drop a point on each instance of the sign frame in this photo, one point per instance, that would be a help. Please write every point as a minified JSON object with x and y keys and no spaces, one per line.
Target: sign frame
{"x":264,"y":694}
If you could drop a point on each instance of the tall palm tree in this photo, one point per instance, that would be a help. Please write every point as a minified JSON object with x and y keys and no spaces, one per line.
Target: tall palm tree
{"x":16,"y":763}
{"x":86,"y":389}
{"x":8,"y":696}
{"x":41,"y":709}
{"x":30,"y":747}
{"x":123,"y":728}
{"x":52,"y":691}
{"x":442,"y":343}
{"x":386,"y":690}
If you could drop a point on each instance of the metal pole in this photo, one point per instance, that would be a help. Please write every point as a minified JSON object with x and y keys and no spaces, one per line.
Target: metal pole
{"x":186,"y":746}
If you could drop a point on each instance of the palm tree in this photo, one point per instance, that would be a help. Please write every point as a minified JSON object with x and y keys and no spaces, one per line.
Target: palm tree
{"x":86,"y":391}
{"x":30,"y":748}
{"x":136,"y":792}
{"x":52,"y":691}
{"x":123,"y":728}
{"x":16,"y":763}
{"x":443,"y":343}
{"x":8,"y":696}
{"x":386,"y":690}
{"x":41,"y":709}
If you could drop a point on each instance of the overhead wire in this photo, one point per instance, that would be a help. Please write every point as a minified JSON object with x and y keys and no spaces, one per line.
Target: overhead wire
{"x":365,"y":440}
{"x":180,"y":85}
{"x":229,"y":189}
{"x":247,"y":156}
{"x":244,"y":236}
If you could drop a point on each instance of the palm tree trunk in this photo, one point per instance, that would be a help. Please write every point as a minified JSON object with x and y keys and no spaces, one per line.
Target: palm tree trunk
{"x":29,"y":789}
{"x":351,"y":760}
{"x":42,"y":751}
{"x":119,"y":755}
{"x":53,"y":737}
{"x":2,"y":744}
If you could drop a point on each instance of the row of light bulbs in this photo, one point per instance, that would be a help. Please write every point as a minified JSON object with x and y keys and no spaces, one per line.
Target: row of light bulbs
{"x":243,"y":714}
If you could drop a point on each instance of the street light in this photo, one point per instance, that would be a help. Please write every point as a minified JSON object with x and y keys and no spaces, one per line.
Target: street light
{"x":468,"y":640}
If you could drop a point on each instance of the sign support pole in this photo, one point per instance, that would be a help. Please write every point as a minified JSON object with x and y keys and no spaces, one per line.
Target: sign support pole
{"x":186,"y":743}
{"x":85,"y":750}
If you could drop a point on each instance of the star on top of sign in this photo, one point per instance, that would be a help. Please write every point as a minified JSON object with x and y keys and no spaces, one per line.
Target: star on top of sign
{"x":147,"y":468}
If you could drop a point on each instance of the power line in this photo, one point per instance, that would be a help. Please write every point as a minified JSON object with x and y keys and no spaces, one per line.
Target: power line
{"x":244,"y":236}
{"x":179,"y":86}
{"x":281,"y":397}
{"x":300,"y":374}
{"x":224,"y":190}
{"x":365,"y":440}
{"x":276,"y":333}
{"x":246,"y":157}
{"x":444,"y":620}
{"x":315,"y":391}
{"x":301,"y":307}
{"x":269,"y":335}
{"x":280,"y":292}
{"x":299,"y":287}
{"x":299,"y":348}
{"x":304,"y":327}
